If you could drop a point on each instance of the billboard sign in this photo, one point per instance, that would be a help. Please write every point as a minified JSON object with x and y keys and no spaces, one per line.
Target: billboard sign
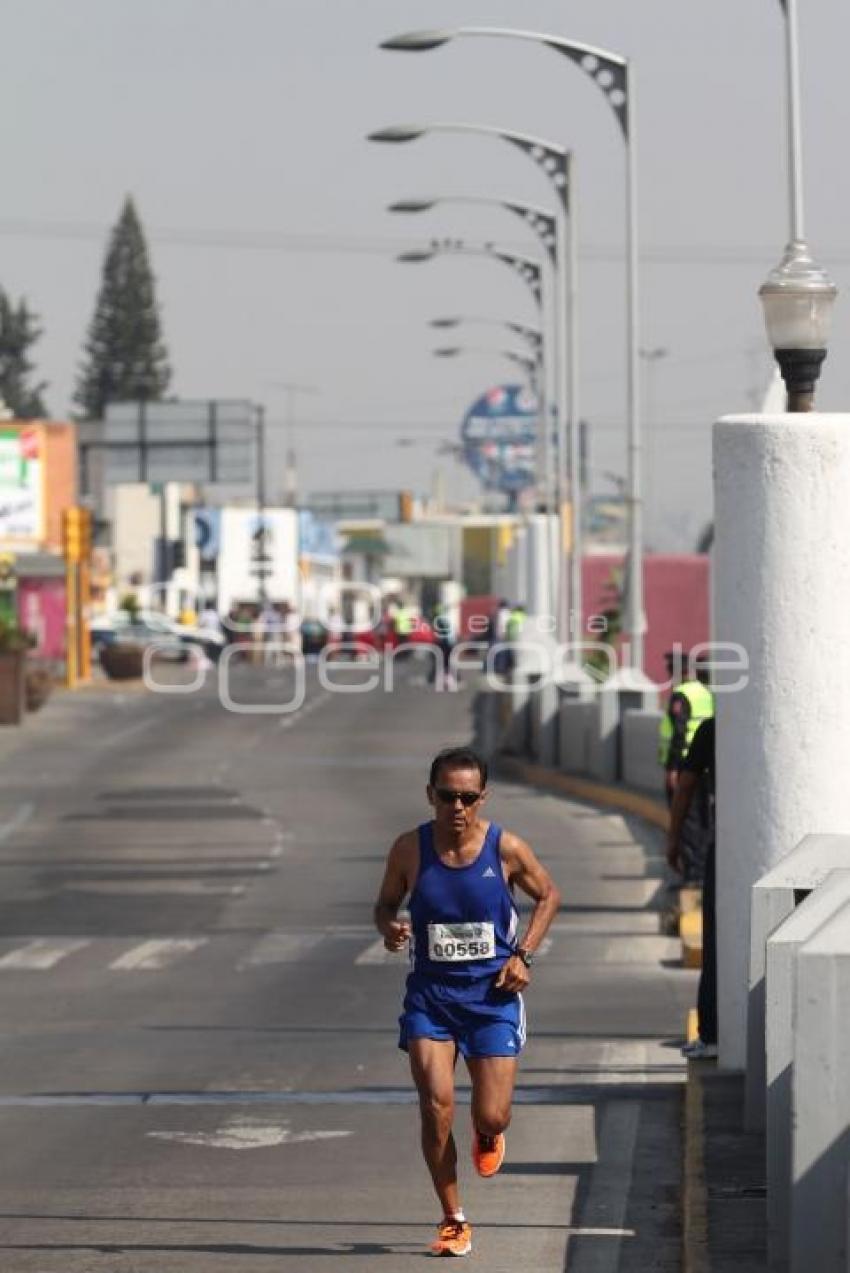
{"x":21,"y":486}
{"x":498,"y":435}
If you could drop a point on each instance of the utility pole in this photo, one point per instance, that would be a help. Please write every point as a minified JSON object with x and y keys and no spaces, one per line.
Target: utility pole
{"x":260,"y":536}
{"x":290,"y":474}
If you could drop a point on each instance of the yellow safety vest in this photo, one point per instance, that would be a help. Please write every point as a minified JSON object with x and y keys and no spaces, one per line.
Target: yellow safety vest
{"x":701,"y":702}
{"x":404,"y":621}
{"x":515,"y":624}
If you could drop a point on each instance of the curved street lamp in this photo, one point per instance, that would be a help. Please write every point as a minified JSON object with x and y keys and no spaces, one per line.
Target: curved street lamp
{"x":612,"y":74}
{"x":557,"y":164}
{"x":545,"y":226}
{"x":528,"y":363}
{"x":533,"y":335}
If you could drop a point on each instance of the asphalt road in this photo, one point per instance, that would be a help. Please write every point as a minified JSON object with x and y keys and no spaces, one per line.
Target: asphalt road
{"x":198,"y":1024}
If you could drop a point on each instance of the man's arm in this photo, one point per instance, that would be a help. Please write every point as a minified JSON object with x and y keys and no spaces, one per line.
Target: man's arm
{"x":685,"y":787}
{"x":534,"y":880}
{"x":394,"y":888}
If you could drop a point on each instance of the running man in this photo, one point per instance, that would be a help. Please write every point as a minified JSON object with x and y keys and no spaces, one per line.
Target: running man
{"x":464,"y":991}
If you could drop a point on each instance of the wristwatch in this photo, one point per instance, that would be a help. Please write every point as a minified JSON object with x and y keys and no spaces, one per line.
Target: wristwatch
{"x":526,"y":955}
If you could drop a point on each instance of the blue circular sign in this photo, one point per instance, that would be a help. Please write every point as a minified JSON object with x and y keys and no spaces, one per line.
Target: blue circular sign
{"x":499,"y":435}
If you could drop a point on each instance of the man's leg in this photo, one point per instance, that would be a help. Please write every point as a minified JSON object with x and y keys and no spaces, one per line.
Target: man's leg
{"x":432,"y":1064}
{"x":707,"y":993}
{"x":493,"y":1079}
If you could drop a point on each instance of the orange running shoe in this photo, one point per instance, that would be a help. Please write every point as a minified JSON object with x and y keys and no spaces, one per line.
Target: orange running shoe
{"x":454,"y":1237}
{"x":488,"y":1153}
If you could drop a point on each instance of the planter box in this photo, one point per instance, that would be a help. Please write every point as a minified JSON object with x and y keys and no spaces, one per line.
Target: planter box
{"x":12,"y":687}
{"x":122,"y":661}
{"x":38,"y":684}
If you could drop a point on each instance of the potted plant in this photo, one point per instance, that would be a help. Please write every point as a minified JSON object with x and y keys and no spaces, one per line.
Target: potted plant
{"x":14,"y":643}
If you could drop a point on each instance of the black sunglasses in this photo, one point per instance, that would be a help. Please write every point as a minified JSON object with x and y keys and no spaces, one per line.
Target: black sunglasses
{"x":467,"y":798}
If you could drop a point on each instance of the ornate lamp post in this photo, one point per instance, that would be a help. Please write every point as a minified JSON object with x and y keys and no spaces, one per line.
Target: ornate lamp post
{"x":797,"y":295}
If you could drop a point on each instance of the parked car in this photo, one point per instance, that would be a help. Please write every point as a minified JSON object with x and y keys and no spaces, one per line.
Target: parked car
{"x":148,"y":626}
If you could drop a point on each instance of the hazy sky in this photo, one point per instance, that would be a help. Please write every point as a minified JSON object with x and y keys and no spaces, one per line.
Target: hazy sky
{"x":239,"y":126}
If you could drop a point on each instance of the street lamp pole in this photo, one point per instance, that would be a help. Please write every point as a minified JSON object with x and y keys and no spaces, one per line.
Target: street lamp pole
{"x":529,"y":270}
{"x":798,"y":296}
{"x":545,"y":226}
{"x":260,"y":423}
{"x":795,"y":138}
{"x":556,"y":163}
{"x":613,"y":76}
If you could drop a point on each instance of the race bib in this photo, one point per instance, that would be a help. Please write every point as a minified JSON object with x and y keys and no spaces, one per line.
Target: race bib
{"x":457,"y":943}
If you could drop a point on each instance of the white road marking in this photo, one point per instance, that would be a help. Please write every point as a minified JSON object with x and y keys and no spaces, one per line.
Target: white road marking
{"x":279,"y":948}
{"x":24,"y":813}
{"x":151,"y":956}
{"x":247,"y":1133}
{"x":610,"y":1184}
{"x":122,"y":888}
{"x":42,"y":953}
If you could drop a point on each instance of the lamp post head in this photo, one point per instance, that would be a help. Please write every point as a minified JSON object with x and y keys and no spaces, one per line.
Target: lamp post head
{"x":415,"y":255}
{"x":798,"y":299}
{"x":417,"y":41}
{"x":412,"y":205}
{"x":449,"y":351}
{"x":401,"y":132}
{"x":444,"y":322}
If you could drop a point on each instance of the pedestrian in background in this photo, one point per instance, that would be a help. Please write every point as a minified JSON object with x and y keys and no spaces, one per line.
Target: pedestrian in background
{"x":697,"y":776}
{"x":446,"y":633}
{"x":691,"y":702}
{"x":514,"y":628}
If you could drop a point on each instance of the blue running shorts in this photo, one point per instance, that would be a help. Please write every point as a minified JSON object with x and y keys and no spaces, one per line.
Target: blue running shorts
{"x":490,"y":1023}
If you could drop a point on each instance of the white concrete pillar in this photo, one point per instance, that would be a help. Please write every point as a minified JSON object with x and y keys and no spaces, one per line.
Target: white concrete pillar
{"x":781,"y":583}
{"x":821,"y":1101}
{"x":783,"y":946}
{"x":538,"y":599}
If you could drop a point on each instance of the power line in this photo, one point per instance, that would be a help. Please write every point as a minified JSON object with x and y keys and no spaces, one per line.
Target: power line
{"x":282,"y":241}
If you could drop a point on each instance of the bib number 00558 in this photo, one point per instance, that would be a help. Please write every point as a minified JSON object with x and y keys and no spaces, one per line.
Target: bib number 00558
{"x":457,"y":943}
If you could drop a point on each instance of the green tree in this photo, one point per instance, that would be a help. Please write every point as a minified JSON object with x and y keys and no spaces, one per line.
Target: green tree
{"x":126,"y":358}
{"x":19,"y":330}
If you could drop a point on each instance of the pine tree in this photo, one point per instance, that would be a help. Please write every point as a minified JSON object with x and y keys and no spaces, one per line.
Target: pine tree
{"x":126,"y":358}
{"x":19,"y":330}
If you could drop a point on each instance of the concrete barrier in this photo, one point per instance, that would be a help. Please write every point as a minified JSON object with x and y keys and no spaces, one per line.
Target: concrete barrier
{"x":782,"y":948}
{"x":640,"y":750}
{"x":821,"y":1100}
{"x":576,"y":719}
{"x":544,"y":724}
{"x":773,"y":898}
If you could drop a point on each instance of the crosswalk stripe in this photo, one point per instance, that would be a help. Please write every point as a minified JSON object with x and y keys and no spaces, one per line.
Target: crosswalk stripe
{"x":153,"y":955}
{"x":42,"y":953}
{"x":280,"y":948}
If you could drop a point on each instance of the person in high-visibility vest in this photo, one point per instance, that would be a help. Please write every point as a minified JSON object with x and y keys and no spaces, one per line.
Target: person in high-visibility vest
{"x":405,"y":621}
{"x":513,"y":633}
{"x":690,"y":703}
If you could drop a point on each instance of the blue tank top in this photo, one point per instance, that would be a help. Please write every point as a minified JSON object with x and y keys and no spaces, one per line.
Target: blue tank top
{"x":463,"y":918}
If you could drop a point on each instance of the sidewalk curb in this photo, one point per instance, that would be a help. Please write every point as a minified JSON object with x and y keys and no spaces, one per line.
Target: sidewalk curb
{"x":646,"y":807}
